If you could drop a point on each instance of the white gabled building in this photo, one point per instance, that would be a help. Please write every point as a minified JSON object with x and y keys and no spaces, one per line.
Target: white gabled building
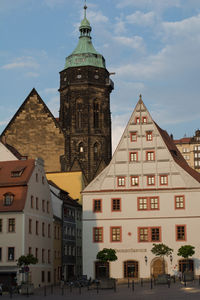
{"x":147,"y":194}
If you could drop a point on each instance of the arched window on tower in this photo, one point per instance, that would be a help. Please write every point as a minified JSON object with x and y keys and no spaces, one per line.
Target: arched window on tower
{"x":96,"y":114}
{"x":79,"y":114}
{"x":96,"y":151}
{"x":81,"y":150}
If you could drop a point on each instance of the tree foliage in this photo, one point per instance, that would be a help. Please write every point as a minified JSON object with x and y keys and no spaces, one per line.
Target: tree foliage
{"x":161,"y":250}
{"x":186,"y":251}
{"x":106,"y":255}
{"x":27,"y":260}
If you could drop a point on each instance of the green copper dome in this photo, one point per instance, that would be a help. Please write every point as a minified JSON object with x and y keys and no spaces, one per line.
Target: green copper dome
{"x":85,"y":53}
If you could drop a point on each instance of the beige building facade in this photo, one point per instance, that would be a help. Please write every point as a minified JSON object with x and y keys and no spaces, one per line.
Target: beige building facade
{"x":148,"y":194}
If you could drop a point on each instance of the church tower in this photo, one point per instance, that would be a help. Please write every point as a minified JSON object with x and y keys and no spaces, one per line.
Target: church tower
{"x":85,"y":88}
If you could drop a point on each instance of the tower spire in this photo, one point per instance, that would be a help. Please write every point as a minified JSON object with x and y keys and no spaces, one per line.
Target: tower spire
{"x":85,"y":9}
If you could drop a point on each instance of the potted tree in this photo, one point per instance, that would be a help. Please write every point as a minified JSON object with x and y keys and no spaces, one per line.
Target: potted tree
{"x":105,"y":256}
{"x":23,"y":262}
{"x":162,"y":250}
{"x":186,"y":251}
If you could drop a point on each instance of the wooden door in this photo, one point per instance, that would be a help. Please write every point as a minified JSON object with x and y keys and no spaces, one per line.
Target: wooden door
{"x":157,"y":267}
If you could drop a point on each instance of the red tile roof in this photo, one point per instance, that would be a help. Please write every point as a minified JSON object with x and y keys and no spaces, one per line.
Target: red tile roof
{"x":185,"y":140}
{"x":15,"y":185}
{"x":7,"y":167}
{"x":177,"y":156}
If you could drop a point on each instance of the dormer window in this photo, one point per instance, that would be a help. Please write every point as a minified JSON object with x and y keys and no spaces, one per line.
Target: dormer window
{"x":17,"y":172}
{"x":8,"y":199}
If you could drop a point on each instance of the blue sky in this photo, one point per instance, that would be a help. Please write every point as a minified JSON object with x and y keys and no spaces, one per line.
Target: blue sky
{"x":152,"y":45}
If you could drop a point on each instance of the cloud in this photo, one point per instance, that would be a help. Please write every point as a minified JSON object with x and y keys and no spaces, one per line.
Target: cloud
{"x":96,"y":17}
{"x":119,"y":26}
{"x":187,"y":28}
{"x":21,"y":62}
{"x":157,"y":4}
{"x":141,"y":19}
{"x":32,"y":74}
{"x":135,"y":42}
{"x":50,"y":91}
{"x":53,"y":3}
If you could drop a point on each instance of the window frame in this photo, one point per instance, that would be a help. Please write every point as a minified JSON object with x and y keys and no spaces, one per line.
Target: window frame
{"x":99,"y":229}
{"x":8,"y":254}
{"x":120,"y":234}
{"x":133,"y":134}
{"x":149,"y":133}
{"x":185,"y":236}
{"x":134,"y":177}
{"x":120,"y":178}
{"x":160,"y":179}
{"x":149,"y":234}
{"x":137,"y":120}
{"x":150,"y":152}
{"x":134,"y":155}
{"x":151,"y":182}
{"x":144,"y":118}
{"x":148,"y":203}
{"x":100,"y":210}
{"x":175,"y":202}
{"x":11,"y":226}
{"x":5,"y":199}
{"x":112,"y":205}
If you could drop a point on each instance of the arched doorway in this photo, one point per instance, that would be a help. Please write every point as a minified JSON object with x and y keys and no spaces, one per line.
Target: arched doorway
{"x":131,"y":269}
{"x":101,"y":269}
{"x":157,"y":267}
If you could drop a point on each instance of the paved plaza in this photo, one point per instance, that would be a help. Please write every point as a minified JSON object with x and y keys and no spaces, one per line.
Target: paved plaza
{"x":123,"y":292}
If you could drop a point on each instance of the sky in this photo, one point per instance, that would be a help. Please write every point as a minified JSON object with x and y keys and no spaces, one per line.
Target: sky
{"x":153,"y":46}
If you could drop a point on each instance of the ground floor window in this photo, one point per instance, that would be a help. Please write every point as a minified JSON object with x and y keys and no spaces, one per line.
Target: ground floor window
{"x":131,"y":269}
{"x":186,"y":264}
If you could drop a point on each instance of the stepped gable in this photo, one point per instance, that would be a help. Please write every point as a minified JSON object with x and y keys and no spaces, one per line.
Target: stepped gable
{"x":166,"y":158}
{"x":34,"y":132}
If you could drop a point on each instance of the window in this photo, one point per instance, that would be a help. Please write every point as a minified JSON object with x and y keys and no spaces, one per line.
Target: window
{"x":149,"y":136}
{"x":79,"y":114}
{"x":154,"y":203}
{"x":185,"y":150}
{"x":97,"y":234}
{"x":17,"y":172}
{"x":43,"y":276}
{"x":179,"y":202}
{"x":11,"y":253}
{"x":163,"y":180}
{"x":149,"y":234}
{"x":43,"y":253}
{"x":49,"y":276}
{"x":134,"y":180}
{"x":1,"y":225}
{"x":29,"y":226}
{"x":97,"y":205}
{"x":133,"y":156}
{"x":29,"y":250}
{"x":148,"y":203}
{"x":32,"y":200}
{"x":142,"y":204}
{"x":144,"y":120}
{"x":133,"y":136}
{"x":36,"y":253}
{"x":150,"y":155}
{"x":8,"y":199}
{"x":116,"y":204}
{"x":151,"y":180}
{"x":181,"y":232}
{"x":36,"y":227}
{"x":37,"y":206}
{"x":43,"y":229}
{"x":0,"y":253}
{"x":137,"y":120}
{"x":130,"y":269}
{"x":96,"y":151}
{"x":115,"y":234}
{"x":121,"y":181}
{"x":11,"y":225}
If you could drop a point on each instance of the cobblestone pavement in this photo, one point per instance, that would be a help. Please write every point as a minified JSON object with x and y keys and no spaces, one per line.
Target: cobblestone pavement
{"x":123,"y":292}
